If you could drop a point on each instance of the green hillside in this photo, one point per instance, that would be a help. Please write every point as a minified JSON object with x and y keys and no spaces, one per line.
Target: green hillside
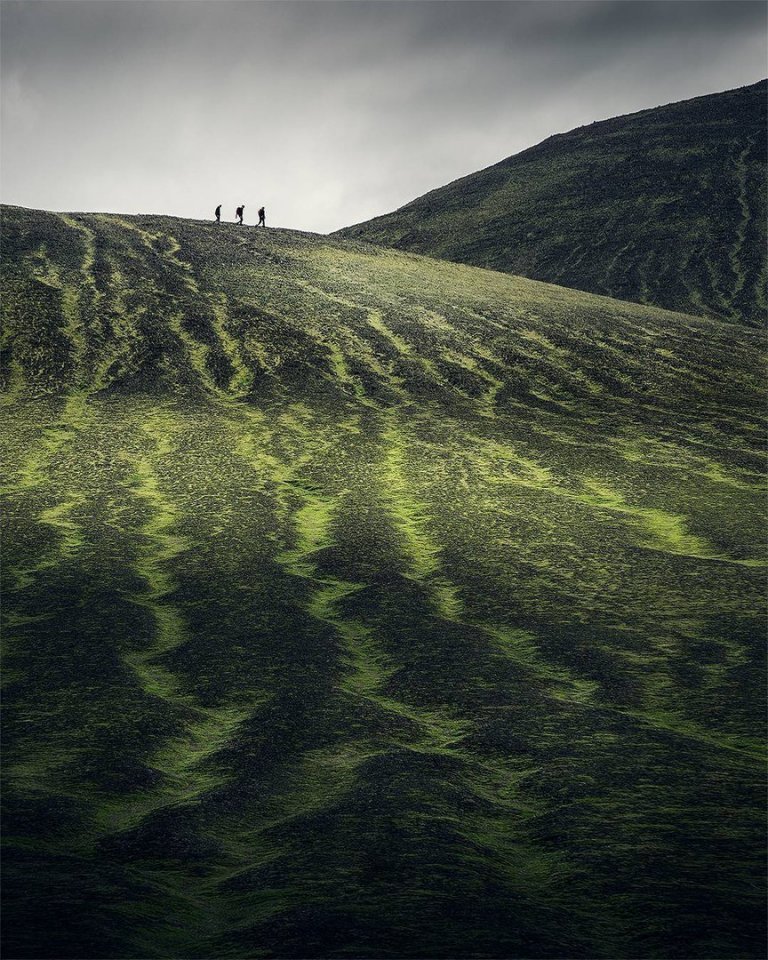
{"x":360,"y":604}
{"x":665,"y":207}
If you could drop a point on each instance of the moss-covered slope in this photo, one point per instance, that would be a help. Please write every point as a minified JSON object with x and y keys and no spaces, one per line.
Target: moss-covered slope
{"x":665,"y":207}
{"x":363,"y":605}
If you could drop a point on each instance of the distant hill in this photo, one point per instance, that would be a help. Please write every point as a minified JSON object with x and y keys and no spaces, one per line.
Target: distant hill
{"x":666,"y":207}
{"x":360,"y":604}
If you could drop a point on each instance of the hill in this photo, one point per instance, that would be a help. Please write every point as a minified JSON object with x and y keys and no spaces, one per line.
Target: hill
{"x":362,"y":604}
{"x":665,"y":207}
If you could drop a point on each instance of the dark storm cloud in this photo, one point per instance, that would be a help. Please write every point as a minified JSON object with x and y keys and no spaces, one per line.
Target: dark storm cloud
{"x":330,"y":112}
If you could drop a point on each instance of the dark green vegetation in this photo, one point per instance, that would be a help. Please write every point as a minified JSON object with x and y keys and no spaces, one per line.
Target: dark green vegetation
{"x":665,"y":207}
{"x":365,"y":605}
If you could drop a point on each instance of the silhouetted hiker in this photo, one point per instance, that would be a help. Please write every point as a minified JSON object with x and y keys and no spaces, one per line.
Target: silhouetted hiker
{"x":218,"y":214}
{"x":239,"y":214}
{"x":262,"y":222}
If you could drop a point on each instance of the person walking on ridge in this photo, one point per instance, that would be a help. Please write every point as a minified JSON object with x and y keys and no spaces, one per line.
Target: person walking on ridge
{"x":218,"y":214}
{"x":239,"y":214}
{"x":262,"y":222}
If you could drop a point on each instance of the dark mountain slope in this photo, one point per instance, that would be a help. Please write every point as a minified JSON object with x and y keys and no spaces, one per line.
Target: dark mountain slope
{"x":359,"y":604}
{"x":666,"y":207}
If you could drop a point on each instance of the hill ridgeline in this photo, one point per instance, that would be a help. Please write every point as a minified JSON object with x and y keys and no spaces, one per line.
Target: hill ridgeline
{"x":665,"y":207}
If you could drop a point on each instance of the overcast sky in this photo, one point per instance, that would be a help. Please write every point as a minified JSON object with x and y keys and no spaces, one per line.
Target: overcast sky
{"x":329,"y":112}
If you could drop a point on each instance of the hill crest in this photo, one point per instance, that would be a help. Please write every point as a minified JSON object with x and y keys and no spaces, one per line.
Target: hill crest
{"x":664,"y":206}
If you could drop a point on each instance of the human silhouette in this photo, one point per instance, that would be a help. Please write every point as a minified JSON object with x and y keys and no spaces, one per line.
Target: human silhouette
{"x":218,"y":214}
{"x":239,"y":214}
{"x":262,"y":222}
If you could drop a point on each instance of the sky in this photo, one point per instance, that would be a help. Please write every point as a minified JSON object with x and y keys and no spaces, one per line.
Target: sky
{"x":329,"y":113}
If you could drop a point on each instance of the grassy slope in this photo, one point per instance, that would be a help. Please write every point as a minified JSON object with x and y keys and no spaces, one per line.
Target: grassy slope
{"x":665,"y":207}
{"x":359,"y":604}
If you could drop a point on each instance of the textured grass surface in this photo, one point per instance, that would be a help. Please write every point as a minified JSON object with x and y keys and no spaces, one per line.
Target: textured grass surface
{"x":665,"y":207}
{"x":364,"y":605}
